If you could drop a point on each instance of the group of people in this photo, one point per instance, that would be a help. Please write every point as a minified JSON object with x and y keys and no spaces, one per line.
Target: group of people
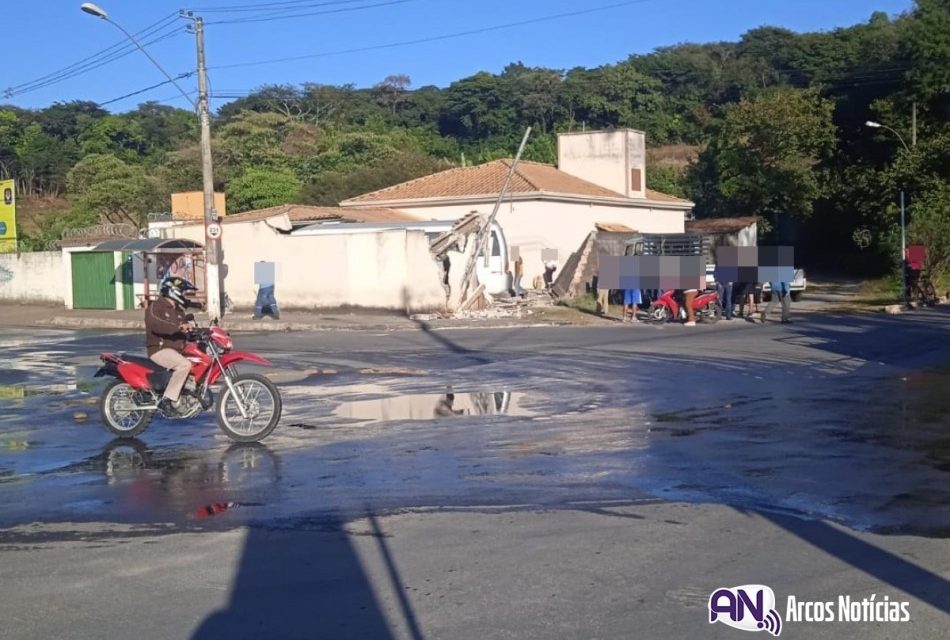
{"x":739,"y":300}
{"x":749,"y":295}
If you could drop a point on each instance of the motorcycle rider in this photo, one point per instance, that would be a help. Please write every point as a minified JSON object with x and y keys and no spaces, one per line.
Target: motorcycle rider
{"x":166,"y":328}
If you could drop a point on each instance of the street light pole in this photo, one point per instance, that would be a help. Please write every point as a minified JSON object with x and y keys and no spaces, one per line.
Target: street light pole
{"x":212,"y":244}
{"x":903,"y":261}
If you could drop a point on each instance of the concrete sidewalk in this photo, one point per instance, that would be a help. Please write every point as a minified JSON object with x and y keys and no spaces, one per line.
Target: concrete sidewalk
{"x":14,"y":315}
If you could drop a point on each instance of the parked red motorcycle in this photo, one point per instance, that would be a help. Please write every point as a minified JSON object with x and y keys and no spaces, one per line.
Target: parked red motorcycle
{"x":248,"y":407}
{"x":706,"y":306}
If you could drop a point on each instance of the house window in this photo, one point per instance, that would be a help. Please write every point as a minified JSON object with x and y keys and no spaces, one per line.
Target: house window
{"x":635,"y":178}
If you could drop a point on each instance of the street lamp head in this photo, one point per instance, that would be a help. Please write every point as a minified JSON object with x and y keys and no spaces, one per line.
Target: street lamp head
{"x":94,"y":10}
{"x":872,"y":124}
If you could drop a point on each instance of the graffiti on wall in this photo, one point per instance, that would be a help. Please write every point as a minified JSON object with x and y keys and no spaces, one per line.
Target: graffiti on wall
{"x":5,"y":275}
{"x":175,"y":264}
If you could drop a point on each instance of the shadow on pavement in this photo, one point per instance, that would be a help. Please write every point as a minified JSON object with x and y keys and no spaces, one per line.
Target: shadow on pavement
{"x":874,"y":561}
{"x":304,"y":582}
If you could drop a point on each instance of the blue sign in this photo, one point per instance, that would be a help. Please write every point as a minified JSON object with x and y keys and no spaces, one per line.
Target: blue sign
{"x":3,"y":228}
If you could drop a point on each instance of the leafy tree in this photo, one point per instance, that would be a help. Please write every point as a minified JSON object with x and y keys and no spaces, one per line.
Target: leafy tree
{"x":928,"y":45}
{"x":766,"y":153}
{"x":262,"y":187}
{"x":65,"y":120}
{"x":478,"y":107}
{"x":164,"y":127}
{"x":43,"y":161}
{"x":117,"y":135}
{"x":103,"y":187}
{"x":330,"y":188}
{"x":253,"y":139}
{"x":930,"y":226}
{"x":10,"y":132}
{"x":667,"y":179}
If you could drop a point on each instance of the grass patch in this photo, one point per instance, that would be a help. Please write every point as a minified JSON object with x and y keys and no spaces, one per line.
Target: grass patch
{"x":586,"y":303}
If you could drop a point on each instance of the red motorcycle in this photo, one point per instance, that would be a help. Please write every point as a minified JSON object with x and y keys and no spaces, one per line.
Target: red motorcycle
{"x":248,"y":407}
{"x":706,"y":306}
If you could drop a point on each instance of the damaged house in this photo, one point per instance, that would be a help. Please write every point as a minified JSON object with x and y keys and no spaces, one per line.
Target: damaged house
{"x":547,"y":211}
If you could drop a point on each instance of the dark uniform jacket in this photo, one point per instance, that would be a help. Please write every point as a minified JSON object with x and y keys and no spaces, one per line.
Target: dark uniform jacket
{"x":163,"y":319}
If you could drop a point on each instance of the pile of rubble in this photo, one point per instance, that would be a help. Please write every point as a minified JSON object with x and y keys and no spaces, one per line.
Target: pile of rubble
{"x":498,"y":308}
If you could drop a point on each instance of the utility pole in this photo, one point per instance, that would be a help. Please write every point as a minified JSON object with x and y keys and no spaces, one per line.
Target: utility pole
{"x":212,"y":241}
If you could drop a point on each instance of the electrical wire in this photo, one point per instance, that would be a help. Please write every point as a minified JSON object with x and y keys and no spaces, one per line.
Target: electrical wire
{"x":154,"y":86}
{"x":99,"y":62}
{"x":287,"y":16}
{"x":447,"y":36}
{"x":121,"y":44}
{"x":292,"y":5}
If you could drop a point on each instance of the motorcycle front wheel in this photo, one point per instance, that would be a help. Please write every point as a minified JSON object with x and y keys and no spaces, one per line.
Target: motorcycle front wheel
{"x":117,"y":407}
{"x":262,"y":405}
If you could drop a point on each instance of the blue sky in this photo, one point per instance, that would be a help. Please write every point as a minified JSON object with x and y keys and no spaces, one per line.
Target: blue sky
{"x":40,"y":41}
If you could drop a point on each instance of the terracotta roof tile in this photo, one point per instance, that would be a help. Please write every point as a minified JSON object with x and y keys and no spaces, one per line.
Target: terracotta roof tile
{"x":612,"y":227}
{"x":663,"y":197}
{"x":489,"y":178}
{"x":308,"y":213}
{"x":719,"y":225}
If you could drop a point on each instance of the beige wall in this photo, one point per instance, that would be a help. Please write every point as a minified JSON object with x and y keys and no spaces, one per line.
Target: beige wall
{"x":606,"y":158}
{"x":533,"y":225}
{"x":387,"y":269}
{"x":191,"y":204}
{"x":32,"y":277}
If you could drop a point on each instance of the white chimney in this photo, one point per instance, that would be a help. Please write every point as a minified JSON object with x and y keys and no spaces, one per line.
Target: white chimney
{"x":615,"y":160}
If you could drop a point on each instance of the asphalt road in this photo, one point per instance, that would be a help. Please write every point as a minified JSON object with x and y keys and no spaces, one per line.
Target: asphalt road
{"x":515,"y":483}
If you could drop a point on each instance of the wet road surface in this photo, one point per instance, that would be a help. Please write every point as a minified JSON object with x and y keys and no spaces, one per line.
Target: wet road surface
{"x":829,"y":422}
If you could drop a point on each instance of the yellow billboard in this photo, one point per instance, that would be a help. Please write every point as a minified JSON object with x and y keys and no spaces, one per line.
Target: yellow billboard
{"x":7,"y":216}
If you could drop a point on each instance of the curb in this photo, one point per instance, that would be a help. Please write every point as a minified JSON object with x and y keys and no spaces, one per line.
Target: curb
{"x":271,"y":327}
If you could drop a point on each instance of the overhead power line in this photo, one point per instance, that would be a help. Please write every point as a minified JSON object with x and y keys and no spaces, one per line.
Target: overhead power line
{"x":270,"y":17}
{"x":292,"y":5}
{"x":150,"y":36}
{"x":180,"y":76}
{"x":447,"y":36}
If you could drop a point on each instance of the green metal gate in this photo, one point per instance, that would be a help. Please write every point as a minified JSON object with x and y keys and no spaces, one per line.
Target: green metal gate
{"x":128,"y":282}
{"x":93,"y":280}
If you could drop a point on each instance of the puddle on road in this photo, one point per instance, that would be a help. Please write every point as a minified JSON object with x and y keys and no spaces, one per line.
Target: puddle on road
{"x":433,"y":405}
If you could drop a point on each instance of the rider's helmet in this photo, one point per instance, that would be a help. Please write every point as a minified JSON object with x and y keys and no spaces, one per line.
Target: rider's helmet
{"x":175,"y":287}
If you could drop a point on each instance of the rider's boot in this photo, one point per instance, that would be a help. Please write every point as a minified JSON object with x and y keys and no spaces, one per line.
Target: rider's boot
{"x":168,"y":407}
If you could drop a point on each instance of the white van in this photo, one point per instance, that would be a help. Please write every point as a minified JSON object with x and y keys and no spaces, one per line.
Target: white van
{"x":494,"y":273}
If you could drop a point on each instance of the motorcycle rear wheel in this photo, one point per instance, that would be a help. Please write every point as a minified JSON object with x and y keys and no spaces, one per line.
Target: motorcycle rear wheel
{"x":115,"y":413}
{"x":262,"y":401}
{"x":659,"y":314}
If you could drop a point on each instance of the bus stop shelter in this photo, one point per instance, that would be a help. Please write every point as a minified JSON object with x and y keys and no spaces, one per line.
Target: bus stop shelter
{"x":146,"y":261}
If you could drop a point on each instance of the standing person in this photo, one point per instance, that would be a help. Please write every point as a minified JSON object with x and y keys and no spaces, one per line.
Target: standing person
{"x":746,"y":298}
{"x":725,"y":298}
{"x":781,"y":292}
{"x":264,"y":279}
{"x":550,"y":266}
{"x":519,"y":273}
{"x":166,"y":329}
{"x":631,"y":298}
{"x":690,"y":295}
